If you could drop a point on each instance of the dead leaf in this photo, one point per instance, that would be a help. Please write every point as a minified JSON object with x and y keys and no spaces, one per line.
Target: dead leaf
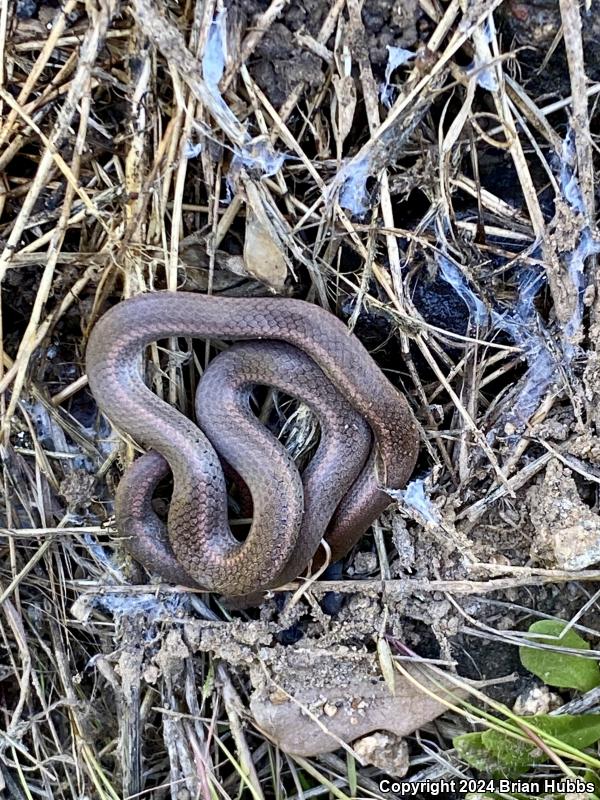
{"x":263,"y":255}
{"x":304,"y":725}
{"x":345,"y":92}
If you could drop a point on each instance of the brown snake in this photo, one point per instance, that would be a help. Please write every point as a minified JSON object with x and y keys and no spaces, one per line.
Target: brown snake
{"x":278,"y":545}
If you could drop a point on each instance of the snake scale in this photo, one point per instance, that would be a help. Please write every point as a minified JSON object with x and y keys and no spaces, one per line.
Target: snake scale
{"x":368,"y":438}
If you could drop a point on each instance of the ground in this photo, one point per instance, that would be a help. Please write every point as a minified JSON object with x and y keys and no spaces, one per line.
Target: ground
{"x":427,"y":172}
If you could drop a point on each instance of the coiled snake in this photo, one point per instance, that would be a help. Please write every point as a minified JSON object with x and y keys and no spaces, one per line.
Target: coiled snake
{"x":307,"y":352}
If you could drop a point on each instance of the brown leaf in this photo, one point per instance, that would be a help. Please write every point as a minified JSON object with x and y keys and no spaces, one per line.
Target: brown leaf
{"x":263,"y":256}
{"x":305,"y":726}
{"x":345,"y":92}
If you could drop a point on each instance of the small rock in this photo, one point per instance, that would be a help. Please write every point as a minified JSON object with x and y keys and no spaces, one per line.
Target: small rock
{"x":567,"y":530}
{"x":536,"y":700}
{"x":278,"y":696}
{"x":363,"y":564}
{"x":385,"y":751}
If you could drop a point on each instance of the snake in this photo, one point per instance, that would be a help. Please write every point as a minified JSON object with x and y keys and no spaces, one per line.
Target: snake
{"x":198,"y":543}
{"x":256,"y":457}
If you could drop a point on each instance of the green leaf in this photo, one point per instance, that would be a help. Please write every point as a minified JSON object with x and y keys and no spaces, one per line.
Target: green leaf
{"x":487,"y":755}
{"x":351,"y":774}
{"x":560,"y":669}
{"x":209,"y":682}
{"x":471,"y":749}
{"x":500,"y":756}
{"x":514,"y":757}
{"x":591,"y":777}
{"x":579,"y":731}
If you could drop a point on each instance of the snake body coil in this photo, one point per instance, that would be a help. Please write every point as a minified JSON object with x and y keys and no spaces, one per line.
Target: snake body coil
{"x":310,"y":354}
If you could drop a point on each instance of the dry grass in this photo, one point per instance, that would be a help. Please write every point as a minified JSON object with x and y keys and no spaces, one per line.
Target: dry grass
{"x":126,"y":168}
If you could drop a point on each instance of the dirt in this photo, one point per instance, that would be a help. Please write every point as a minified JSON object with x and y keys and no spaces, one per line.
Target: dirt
{"x":310,"y":697}
{"x":389,"y":24}
{"x":280,"y":63}
{"x":533,"y":27}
